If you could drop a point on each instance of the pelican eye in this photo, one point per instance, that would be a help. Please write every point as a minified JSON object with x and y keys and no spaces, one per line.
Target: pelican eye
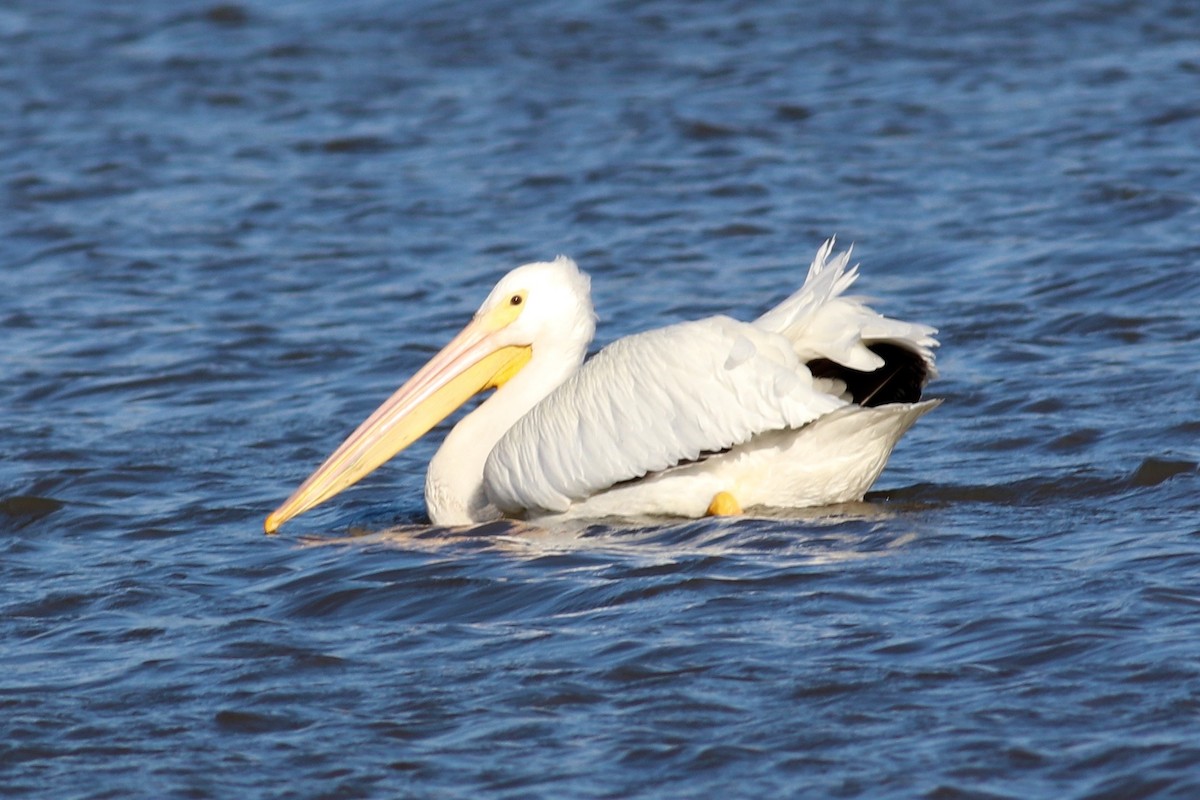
{"x":516,"y":300}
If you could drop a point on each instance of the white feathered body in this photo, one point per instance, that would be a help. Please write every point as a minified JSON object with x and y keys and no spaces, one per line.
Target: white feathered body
{"x":659,"y":422}
{"x":800,"y":407}
{"x":833,"y":460}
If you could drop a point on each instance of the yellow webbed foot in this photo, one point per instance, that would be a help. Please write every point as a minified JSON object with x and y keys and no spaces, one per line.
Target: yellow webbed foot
{"x":723,"y":505}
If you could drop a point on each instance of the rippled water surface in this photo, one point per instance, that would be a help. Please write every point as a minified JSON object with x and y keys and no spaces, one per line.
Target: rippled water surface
{"x":229,"y":231}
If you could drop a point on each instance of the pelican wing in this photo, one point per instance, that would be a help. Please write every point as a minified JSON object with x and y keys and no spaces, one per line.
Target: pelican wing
{"x":648,"y":402}
{"x":823,"y":322}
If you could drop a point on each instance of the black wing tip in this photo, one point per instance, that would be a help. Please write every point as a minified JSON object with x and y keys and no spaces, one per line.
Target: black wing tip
{"x":901,"y":379}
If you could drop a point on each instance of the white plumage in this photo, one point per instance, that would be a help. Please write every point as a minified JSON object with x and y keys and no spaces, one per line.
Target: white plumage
{"x":648,"y":402}
{"x":654,"y":400}
{"x":783,"y":411}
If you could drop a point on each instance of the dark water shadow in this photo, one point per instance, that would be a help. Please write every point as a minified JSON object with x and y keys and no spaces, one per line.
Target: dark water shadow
{"x":1041,"y":490}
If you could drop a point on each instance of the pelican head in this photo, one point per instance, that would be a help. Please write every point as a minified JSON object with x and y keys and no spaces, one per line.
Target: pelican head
{"x":535,"y":310}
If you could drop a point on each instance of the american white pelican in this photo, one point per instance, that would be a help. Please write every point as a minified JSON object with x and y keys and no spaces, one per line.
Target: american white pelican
{"x":800,"y":407}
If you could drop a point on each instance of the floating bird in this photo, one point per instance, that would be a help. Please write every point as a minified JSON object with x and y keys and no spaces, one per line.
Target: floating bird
{"x":800,"y":407}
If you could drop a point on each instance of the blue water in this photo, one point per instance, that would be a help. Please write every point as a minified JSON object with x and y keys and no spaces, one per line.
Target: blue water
{"x":229,"y":230}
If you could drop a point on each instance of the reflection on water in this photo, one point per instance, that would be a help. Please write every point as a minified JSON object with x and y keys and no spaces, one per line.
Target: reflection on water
{"x":826,"y":535}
